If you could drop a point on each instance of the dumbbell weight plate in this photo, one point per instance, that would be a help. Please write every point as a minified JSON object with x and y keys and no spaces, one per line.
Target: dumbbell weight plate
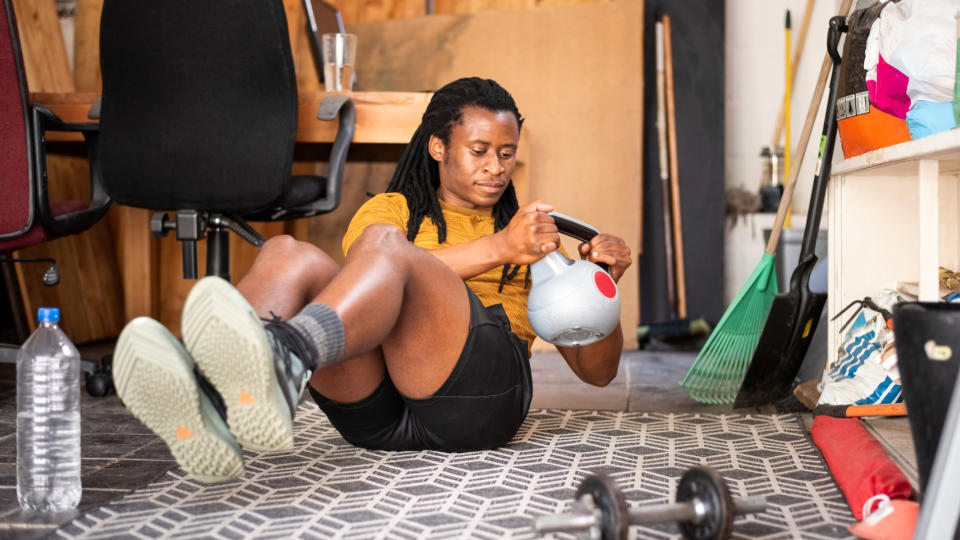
{"x":615,"y":517}
{"x":708,"y":486}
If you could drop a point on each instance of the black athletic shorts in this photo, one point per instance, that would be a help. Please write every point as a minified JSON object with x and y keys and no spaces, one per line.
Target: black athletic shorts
{"x":480,"y":406}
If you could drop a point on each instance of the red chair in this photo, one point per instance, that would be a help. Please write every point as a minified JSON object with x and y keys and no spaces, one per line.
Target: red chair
{"x":27,"y":216}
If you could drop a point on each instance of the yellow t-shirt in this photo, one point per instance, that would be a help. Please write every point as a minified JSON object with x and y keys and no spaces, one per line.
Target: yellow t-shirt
{"x":463,"y":224}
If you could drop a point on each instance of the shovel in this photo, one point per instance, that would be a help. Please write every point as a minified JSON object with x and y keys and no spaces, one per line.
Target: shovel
{"x":794,"y":314}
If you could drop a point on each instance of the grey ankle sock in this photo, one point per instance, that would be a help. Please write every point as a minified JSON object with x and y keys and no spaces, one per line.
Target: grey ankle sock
{"x":321,"y":325}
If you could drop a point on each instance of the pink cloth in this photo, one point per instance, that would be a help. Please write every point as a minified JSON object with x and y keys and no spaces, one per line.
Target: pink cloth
{"x":889,"y":92}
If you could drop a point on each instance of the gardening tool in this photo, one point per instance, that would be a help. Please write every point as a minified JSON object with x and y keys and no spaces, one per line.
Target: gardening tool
{"x":678,"y":328}
{"x":716,"y":374}
{"x":674,"y":208}
{"x":664,"y":169}
{"x":572,"y":302}
{"x":857,"y":411}
{"x":787,"y":87}
{"x":794,"y":315}
{"x":794,"y":63}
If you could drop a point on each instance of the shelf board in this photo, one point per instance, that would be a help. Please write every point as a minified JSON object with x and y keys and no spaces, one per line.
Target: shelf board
{"x":901,"y":158}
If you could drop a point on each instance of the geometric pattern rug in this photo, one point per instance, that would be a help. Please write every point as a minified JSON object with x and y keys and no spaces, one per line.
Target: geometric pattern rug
{"x":327,"y":488}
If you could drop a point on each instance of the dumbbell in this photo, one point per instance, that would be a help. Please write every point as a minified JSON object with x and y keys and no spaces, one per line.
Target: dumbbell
{"x":704,"y":509}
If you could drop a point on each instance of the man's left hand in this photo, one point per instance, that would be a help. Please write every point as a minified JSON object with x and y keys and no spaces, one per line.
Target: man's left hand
{"x":608,"y":249}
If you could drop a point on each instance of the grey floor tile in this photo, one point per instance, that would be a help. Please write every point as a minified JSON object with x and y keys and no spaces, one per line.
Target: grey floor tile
{"x":555,"y":386}
{"x":114,"y":445}
{"x":156,"y":450}
{"x":8,"y":446}
{"x":23,"y":525}
{"x":125,"y":474}
{"x":95,"y":497}
{"x":8,"y":474}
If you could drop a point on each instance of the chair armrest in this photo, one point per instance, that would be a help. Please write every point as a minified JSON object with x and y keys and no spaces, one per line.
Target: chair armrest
{"x":43,"y":120}
{"x":94,"y":112}
{"x":331,"y":107}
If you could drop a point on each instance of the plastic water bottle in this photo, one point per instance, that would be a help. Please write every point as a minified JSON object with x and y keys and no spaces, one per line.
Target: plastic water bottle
{"x":48,"y":418}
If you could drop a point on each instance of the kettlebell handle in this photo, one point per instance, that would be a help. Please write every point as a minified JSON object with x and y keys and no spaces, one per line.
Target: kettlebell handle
{"x":574,"y":228}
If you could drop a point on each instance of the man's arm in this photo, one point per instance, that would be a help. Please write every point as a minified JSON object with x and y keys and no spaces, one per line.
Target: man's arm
{"x":529,"y":235}
{"x":597,"y":363}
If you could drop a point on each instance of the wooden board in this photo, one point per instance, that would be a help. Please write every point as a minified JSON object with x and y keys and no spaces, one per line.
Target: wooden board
{"x":476,"y":6}
{"x":88,"y":295}
{"x":86,"y":46}
{"x":361,"y":11}
{"x":576,"y":73}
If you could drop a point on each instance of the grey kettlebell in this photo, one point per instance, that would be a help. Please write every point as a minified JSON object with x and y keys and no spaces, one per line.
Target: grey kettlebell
{"x":572,"y":302}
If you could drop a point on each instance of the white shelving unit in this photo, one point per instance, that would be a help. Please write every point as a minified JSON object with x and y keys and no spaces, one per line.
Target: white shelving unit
{"x":893,"y":216}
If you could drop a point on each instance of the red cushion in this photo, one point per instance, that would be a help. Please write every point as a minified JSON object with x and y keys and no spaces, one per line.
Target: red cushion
{"x":858,"y":462}
{"x":36,"y":234}
{"x":14,"y":177}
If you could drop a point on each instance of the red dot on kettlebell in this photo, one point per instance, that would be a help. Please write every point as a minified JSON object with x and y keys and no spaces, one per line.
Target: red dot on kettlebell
{"x":605,"y":284}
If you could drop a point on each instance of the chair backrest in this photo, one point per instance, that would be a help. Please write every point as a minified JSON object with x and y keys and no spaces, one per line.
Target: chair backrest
{"x":16,"y":186}
{"x":199,"y":105}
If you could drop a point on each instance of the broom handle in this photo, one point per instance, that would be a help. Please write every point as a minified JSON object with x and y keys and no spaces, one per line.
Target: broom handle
{"x":679,"y":266}
{"x":795,"y":62}
{"x":664,"y":172}
{"x":802,"y":145}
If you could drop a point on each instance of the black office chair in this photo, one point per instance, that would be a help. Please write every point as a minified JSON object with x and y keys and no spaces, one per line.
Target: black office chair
{"x":199,"y":116}
{"x":27,"y":215}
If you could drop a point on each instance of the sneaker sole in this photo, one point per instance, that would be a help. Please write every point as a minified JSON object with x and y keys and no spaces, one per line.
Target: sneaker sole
{"x":229,"y":344}
{"x":154,"y":378}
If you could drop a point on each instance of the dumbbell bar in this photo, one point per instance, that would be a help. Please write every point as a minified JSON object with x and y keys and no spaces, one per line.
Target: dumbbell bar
{"x":704,"y":509}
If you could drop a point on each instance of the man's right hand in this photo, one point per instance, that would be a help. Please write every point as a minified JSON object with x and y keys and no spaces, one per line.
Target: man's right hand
{"x":530,"y":235}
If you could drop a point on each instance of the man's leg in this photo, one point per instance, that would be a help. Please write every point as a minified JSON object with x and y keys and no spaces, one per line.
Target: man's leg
{"x":285,"y":277}
{"x":388,"y":293}
{"x":402,"y":300}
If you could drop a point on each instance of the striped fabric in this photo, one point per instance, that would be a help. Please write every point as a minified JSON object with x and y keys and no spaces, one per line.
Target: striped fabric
{"x":864,"y":374}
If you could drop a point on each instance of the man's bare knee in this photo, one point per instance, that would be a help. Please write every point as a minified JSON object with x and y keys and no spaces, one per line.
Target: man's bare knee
{"x":380,"y":238}
{"x":295,"y":258}
{"x":280,"y":245}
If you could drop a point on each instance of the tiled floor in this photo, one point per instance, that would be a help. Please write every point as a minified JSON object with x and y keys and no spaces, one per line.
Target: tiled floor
{"x":120,"y":455}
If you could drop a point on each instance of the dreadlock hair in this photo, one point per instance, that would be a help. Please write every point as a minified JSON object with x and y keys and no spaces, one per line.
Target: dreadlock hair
{"x":417,"y":175}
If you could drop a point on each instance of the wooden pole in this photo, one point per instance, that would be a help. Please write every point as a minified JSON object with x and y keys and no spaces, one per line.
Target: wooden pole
{"x":681,"y":278}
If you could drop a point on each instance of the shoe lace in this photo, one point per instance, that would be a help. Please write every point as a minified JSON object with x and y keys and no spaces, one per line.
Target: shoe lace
{"x":207,"y":388}
{"x":290,"y":340}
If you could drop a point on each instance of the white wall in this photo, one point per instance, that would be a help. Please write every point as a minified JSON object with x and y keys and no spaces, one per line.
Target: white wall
{"x":754,"y":86}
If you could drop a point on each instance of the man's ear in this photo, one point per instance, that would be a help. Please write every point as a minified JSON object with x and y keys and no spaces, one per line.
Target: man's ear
{"x":436,"y":148}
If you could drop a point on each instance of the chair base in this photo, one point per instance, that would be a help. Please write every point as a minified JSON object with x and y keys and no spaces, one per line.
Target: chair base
{"x":192,"y":225}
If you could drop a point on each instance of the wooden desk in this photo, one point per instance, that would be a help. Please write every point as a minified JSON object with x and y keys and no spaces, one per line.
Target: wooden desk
{"x":382,"y":118}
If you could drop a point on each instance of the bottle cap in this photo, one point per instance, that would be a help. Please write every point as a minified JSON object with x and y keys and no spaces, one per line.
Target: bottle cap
{"x":48,"y":314}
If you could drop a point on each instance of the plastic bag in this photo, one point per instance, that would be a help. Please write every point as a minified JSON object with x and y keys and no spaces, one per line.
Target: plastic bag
{"x":866,"y":368}
{"x":923,"y":46}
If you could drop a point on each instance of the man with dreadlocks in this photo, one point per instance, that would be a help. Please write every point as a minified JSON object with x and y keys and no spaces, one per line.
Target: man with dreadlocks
{"x":420,"y":341}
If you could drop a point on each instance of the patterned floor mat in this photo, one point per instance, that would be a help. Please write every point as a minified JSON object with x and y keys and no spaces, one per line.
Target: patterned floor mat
{"x":327,"y":488}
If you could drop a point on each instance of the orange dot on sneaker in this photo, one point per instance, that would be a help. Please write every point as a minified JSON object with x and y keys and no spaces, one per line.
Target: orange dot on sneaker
{"x":245,"y":399}
{"x":183,"y":433}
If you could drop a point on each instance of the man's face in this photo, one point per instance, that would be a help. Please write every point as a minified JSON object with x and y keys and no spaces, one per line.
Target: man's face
{"x":479,"y":161}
